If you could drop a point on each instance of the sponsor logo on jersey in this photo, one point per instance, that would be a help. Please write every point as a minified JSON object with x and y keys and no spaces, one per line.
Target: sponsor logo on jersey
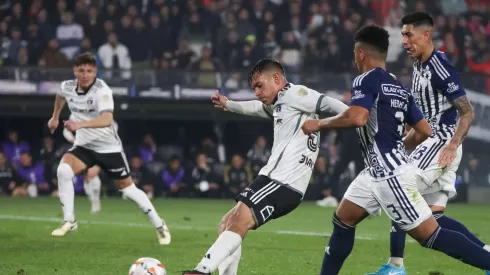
{"x":266,"y":212}
{"x":357,"y":94}
{"x":452,"y":87}
{"x":105,"y":98}
{"x":307,"y":161}
{"x":394,"y":90}
{"x":77,"y":110}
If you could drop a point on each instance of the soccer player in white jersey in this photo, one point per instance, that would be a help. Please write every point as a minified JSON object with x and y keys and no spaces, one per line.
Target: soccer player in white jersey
{"x":97,"y":143}
{"x":380,"y":107}
{"x":440,"y":95}
{"x":91,"y":180}
{"x":282,"y":182}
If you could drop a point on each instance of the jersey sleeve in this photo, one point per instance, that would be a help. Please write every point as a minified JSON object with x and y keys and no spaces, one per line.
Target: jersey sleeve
{"x":362,"y":94}
{"x":305,"y":99}
{"x":414,"y":115}
{"x":105,"y":102}
{"x":60,"y":92}
{"x":447,"y":78}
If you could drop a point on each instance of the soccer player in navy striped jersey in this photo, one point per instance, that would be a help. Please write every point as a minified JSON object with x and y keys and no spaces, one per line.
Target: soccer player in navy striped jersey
{"x":380,"y":107}
{"x":440,"y":95}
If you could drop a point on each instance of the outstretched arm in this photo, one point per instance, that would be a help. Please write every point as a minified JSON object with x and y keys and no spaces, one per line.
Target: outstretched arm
{"x":251,"y":108}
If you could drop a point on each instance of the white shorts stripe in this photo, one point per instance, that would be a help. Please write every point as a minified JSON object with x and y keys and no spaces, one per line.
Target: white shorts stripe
{"x":265,"y":194}
{"x":265,"y":188}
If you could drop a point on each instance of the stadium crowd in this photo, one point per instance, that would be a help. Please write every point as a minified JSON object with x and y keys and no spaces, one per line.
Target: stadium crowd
{"x":229,"y":35}
{"x":210,"y":36}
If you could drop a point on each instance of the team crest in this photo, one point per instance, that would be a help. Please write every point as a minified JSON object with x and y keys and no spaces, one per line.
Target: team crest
{"x":90,"y":101}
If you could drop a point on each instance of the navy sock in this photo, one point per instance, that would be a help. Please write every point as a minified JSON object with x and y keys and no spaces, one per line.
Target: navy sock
{"x":454,"y":225}
{"x":339,"y":247}
{"x":459,"y":247}
{"x":397,"y":240}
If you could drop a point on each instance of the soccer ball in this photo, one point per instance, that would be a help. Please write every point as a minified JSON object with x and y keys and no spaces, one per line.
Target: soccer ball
{"x":147,"y":266}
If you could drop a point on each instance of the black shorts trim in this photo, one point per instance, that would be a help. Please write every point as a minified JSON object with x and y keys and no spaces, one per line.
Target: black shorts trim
{"x":115,"y":165}
{"x":269,"y":199}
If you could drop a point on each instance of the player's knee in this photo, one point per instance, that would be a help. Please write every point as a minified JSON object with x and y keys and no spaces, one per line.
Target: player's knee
{"x":240,"y":221}
{"x":64,"y":172}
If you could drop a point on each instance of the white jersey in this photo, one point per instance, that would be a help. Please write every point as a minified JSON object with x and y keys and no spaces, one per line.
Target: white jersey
{"x":88,"y":106}
{"x":293,"y":153}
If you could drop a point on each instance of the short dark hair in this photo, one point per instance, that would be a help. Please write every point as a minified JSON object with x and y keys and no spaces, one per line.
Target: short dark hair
{"x":85,"y":59}
{"x":418,"y":18}
{"x":375,"y":36}
{"x":265,"y":65}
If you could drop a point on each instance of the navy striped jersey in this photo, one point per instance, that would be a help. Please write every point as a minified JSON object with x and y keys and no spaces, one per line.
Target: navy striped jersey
{"x":390,"y":106}
{"x":435,"y":83}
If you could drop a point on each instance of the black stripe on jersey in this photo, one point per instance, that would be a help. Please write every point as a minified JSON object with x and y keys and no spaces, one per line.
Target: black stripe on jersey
{"x":388,"y":163}
{"x":422,"y":161}
{"x":394,"y":157}
{"x":401,"y":202}
{"x":319,"y":104}
{"x":437,"y":100}
{"x":266,"y":111}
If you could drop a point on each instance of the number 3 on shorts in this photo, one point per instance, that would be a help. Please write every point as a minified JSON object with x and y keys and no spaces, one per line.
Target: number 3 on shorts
{"x":394,"y":211}
{"x":419,"y":152}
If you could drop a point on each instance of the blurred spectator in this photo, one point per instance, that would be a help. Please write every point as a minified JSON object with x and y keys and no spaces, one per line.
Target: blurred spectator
{"x":203,"y":178}
{"x":48,"y":157}
{"x":258,"y":155}
{"x":31,"y":178}
{"x":195,"y":29}
{"x":17,"y":19}
{"x":452,"y":52}
{"x":139,"y":47}
{"x":392,"y":25}
{"x":183,"y":56}
{"x":53,"y":57}
{"x":474,"y":173}
{"x":244,"y":60}
{"x":209,"y":148}
{"x":141,"y":176}
{"x":56,"y":17}
{"x":92,"y":27}
{"x":115,"y":56}
{"x":313,"y":56}
{"x":69,"y":35}
{"x":125,"y":30}
{"x":148,"y":148}
{"x":36,"y":43}
{"x":173,"y":177}
{"x":230,"y":48}
{"x":237,"y":176}
{"x":234,"y":81}
{"x":14,"y":147}
{"x":14,"y":45}
{"x":158,"y":35}
{"x":7,"y":182}
{"x":111,"y":12}
{"x":208,"y":68}
{"x":45,"y":27}
{"x":289,"y":54}
{"x":320,"y":186}
{"x":81,"y":13}
{"x":244,"y":26}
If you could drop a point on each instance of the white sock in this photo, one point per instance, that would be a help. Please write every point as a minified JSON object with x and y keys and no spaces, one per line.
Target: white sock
{"x":66,"y":191}
{"x":230,"y":264}
{"x":226,"y":244}
{"x":96,"y":184}
{"x":139,"y":197}
{"x":87,"y":187}
{"x":487,"y":248}
{"x":396,"y":262}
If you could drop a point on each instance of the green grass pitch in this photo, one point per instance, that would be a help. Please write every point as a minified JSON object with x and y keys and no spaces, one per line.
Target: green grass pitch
{"x":108,"y":243}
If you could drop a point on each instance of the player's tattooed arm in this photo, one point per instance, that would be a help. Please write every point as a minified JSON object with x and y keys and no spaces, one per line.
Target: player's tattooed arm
{"x":466,"y":116}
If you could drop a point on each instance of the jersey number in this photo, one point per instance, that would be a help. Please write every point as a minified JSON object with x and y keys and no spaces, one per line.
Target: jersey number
{"x":419,"y":152}
{"x":401,"y":117}
{"x":394,"y":211}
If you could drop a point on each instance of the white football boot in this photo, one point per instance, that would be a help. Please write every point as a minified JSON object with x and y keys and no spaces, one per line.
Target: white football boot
{"x":163,"y":234}
{"x":65,"y":228}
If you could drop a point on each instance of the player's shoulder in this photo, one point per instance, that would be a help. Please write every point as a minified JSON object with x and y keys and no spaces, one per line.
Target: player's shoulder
{"x":441,"y":65}
{"x":367,"y":78}
{"x":292,"y":92}
{"x":101,"y":85}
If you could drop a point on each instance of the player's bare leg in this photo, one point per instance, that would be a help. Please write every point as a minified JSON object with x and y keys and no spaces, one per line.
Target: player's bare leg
{"x":345,"y":219}
{"x":235,"y":226}
{"x":68,"y":167}
{"x":130,"y":191}
{"x":92,"y":185}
